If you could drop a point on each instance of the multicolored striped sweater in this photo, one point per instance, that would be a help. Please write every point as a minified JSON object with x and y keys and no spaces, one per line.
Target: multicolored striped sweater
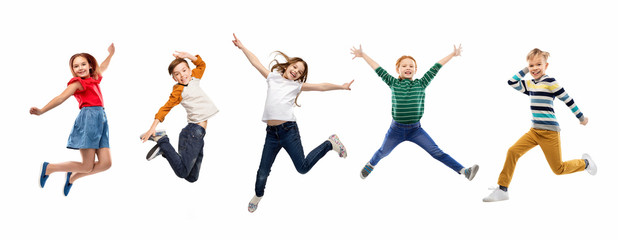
{"x":408,"y":96}
{"x":542,"y":93}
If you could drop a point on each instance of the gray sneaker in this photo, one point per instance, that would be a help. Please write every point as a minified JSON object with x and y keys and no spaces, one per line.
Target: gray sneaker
{"x":156,"y":136}
{"x":153,"y":153}
{"x":470,"y":172}
{"x":367,"y":169}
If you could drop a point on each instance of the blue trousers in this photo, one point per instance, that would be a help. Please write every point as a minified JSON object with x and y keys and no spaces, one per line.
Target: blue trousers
{"x":399,"y":132}
{"x":286,"y":136}
{"x":186,"y":163}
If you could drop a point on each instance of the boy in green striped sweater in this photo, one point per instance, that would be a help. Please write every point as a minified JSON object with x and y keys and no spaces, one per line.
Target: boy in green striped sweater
{"x":408,"y":105}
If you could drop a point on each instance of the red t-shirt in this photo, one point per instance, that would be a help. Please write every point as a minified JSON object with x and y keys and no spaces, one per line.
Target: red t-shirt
{"x":91,"y":95}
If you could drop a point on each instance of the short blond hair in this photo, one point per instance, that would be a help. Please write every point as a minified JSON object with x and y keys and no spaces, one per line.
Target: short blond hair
{"x":536,"y":52}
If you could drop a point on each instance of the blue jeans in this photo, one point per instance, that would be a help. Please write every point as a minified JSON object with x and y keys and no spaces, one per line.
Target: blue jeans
{"x":286,"y":135}
{"x":186,"y":163}
{"x":399,"y":132}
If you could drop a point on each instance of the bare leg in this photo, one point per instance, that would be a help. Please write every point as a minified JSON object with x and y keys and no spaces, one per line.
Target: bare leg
{"x":104,"y":162}
{"x":77,"y":167}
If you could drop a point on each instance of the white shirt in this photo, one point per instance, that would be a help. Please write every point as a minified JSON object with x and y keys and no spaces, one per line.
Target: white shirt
{"x":198,"y":105}
{"x":280,"y":98}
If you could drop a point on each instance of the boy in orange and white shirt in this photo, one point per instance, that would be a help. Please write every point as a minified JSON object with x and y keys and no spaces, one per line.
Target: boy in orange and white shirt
{"x":199,"y":107}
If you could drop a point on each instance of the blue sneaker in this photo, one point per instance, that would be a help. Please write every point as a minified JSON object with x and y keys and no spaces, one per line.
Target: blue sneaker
{"x":67,"y":185}
{"x":43,"y":176}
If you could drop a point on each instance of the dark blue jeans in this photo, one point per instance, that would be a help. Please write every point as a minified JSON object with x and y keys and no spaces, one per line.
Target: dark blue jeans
{"x":286,"y":136}
{"x":186,"y":163}
{"x":399,"y":132}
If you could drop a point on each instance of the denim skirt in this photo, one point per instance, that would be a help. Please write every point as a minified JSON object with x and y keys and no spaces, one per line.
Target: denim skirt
{"x":90,"y":129}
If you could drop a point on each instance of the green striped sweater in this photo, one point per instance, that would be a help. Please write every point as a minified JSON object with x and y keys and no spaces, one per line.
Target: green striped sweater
{"x":408,"y":95}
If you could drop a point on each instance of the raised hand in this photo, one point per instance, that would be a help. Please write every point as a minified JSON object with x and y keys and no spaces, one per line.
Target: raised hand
{"x":357,"y":52}
{"x":237,"y":42}
{"x":111,"y":49}
{"x":178,"y":54}
{"x":457,"y":51}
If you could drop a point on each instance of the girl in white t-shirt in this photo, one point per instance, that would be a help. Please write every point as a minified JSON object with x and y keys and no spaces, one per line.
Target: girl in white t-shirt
{"x":284,"y":86}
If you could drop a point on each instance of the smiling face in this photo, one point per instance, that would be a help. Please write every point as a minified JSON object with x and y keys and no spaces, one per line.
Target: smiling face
{"x":182,"y":73}
{"x":406,"y":68}
{"x":537,"y":66}
{"x":295,"y":71}
{"x":80,"y":67}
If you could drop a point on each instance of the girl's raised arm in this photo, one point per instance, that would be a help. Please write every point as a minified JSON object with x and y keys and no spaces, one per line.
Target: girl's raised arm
{"x":325,"y":86}
{"x":70,"y":90}
{"x":359,"y":53}
{"x":111,"y":49}
{"x":456,"y":52}
{"x":252,"y":58}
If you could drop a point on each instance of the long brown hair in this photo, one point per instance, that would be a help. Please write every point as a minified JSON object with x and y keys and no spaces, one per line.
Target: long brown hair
{"x":281,"y":67}
{"x":401,"y":59}
{"x":94,"y":70}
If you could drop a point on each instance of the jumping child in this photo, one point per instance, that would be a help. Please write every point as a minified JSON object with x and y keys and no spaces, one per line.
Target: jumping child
{"x":187,"y":92}
{"x":90,"y":132}
{"x":408,"y":105}
{"x":285,"y":82}
{"x":545,"y":130}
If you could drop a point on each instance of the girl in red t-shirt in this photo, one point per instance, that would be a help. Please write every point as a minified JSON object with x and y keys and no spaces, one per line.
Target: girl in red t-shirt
{"x":90,"y":132}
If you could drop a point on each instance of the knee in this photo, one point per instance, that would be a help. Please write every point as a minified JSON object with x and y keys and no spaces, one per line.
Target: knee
{"x":191,"y":179}
{"x":105,"y":165}
{"x":513,"y":152}
{"x":558,"y":170}
{"x":302,"y":171}
{"x":437,"y":153}
{"x":86,"y":167}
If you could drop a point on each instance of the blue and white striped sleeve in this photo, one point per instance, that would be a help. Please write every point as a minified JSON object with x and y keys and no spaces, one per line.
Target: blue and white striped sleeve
{"x":517,"y":83}
{"x":561,"y":94}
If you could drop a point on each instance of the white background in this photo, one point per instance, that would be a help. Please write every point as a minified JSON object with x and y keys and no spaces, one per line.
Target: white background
{"x":470,"y":112}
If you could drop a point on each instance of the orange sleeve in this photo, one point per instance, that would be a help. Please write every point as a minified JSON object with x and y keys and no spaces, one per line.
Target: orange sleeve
{"x":175,"y":98}
{"x":200,"y":67}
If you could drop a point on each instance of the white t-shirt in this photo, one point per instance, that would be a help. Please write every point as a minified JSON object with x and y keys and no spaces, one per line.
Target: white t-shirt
{"x":280,"y":98}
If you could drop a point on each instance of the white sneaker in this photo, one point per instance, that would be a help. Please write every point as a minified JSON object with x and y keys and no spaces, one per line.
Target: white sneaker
{"x":470,"y":172}
{"x":253,"y":204}
{"x":592,"y":167}
{"x":338,"y":146}
{"x":497,"y":195}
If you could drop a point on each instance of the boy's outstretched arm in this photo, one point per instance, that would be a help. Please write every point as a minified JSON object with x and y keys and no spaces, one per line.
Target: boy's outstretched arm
{"x":70,"y":90}
{"x":111,"y":49}
{"x":456,"y":52}
{"x":359,"y":53}
{"x":325,"y":86}
{"x":252,"y":58}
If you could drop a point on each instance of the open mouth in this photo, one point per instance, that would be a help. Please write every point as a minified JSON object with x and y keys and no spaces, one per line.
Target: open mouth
{"x":293,"y":74}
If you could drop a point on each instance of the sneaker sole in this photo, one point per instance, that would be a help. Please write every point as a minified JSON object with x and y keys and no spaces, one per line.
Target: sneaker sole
{"x":41,"y":172}
{"x":592,"y":166}
{"x":153,"y":153}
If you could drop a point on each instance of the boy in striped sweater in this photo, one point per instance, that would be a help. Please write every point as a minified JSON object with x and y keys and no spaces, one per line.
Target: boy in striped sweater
{"x":545,"y":130}
{"x":408,"y":105}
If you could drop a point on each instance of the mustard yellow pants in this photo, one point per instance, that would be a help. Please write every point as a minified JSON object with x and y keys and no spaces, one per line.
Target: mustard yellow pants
{"x":550,"y":144}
